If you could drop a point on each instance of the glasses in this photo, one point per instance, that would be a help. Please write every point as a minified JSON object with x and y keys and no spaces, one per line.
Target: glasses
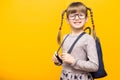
{"x":73,"y":16}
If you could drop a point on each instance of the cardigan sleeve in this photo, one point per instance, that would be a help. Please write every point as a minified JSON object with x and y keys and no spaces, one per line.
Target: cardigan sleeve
{"x":91,"y":65}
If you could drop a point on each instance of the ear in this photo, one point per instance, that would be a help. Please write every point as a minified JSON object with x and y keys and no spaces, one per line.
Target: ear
{"x":86,"y":19}
{"x":67,"y":20}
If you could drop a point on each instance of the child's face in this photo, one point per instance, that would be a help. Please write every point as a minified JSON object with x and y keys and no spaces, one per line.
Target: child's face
{"x":77,"y":20}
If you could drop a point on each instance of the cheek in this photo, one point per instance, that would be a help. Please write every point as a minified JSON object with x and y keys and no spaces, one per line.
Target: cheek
{"x":70,"y":22}
{"x":84,"y":21}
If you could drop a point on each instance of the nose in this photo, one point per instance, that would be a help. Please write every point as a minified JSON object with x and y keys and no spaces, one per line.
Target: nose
{"x":77,"y":17}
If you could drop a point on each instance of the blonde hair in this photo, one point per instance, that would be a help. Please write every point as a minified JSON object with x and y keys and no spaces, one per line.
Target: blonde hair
{"x":76,"y":7}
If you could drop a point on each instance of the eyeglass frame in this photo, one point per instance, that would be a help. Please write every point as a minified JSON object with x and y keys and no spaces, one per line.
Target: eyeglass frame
{"x":76,"y":14}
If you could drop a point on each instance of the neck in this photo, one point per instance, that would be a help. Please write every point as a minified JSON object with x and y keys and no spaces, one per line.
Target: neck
{"x":77,"y":31}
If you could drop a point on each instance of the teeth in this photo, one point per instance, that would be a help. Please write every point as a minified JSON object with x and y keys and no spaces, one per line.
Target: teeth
{"x":77,"y":22}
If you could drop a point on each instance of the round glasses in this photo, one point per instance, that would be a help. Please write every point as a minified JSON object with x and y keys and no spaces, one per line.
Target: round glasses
{"x":73,"y":16}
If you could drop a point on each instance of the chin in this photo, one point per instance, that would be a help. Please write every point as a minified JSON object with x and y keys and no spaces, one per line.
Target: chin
{"x":77,"y":28}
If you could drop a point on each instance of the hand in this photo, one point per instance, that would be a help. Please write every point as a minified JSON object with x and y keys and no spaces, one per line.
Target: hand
{"x":55,"y":60}
{"x":67,"y":58}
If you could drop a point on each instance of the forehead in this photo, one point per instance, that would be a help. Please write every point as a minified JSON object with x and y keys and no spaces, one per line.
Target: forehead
{"x":77,"y":12}
{"x":77,"y":9}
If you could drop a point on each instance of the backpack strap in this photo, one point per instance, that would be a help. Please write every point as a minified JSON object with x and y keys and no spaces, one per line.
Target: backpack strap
{"x":62,"y":42}
{"x":71,"y":48}
{"x":57,"y":55}
{"x":69,"y":51}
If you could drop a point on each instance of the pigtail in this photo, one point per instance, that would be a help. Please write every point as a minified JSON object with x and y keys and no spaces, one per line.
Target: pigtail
{"x":93,"y":26}
{"x":60,"y":28}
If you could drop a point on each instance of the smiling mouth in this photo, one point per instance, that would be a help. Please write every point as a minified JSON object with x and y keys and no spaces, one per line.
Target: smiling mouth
{"x":77,"y":22}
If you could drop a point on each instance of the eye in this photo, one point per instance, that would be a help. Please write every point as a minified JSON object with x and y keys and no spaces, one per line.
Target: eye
{"x":72,"y":15}
{"x":81,"y":15}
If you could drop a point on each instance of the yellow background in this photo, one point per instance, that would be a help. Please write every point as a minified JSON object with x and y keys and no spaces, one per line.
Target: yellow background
{"x":28,"y":31}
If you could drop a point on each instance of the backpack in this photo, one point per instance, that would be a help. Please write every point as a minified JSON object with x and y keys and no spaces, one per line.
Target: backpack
{"x":101,"y":70}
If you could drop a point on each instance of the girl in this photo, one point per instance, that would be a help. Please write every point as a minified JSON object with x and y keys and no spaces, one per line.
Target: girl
{"x":83,"y":59}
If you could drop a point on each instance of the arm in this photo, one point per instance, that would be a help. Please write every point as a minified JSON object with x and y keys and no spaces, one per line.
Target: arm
{"x":91,"y":65}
